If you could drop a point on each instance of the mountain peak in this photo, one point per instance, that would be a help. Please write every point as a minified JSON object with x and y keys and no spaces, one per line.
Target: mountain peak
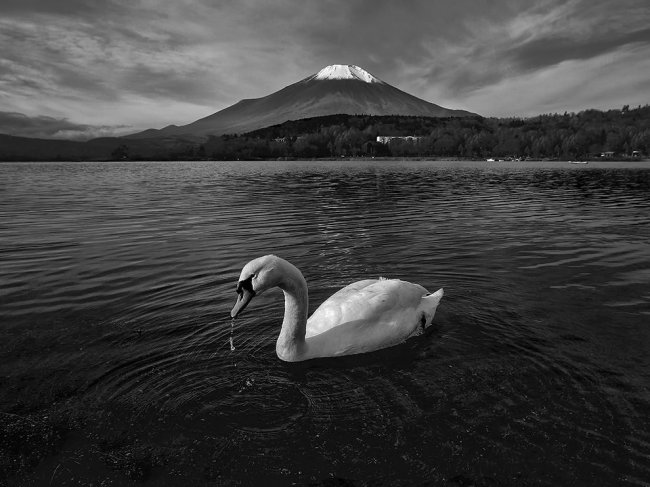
{"x":346,"y":71}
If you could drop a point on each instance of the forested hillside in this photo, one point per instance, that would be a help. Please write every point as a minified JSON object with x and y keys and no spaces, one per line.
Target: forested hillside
{"x":569,"y":135}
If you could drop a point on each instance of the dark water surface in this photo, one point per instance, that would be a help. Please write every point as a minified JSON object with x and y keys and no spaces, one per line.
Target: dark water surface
{"x":116,"y":282}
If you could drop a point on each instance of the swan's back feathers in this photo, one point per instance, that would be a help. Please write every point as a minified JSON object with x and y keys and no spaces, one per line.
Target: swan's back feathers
{"x":376,"y":301}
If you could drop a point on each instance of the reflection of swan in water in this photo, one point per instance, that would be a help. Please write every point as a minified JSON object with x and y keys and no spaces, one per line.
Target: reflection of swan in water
{"x":364,"y":316}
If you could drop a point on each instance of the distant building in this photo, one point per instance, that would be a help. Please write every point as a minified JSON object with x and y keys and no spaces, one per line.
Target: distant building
{"x":607,"y":155}
{"x":636,"y":154}
{"x":385,"y":139}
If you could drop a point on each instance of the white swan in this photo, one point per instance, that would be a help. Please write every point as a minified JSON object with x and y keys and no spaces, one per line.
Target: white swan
{"x":362,"y":317}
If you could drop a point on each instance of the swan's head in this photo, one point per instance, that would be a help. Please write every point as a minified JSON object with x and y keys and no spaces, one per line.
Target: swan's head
{"x":256,"y":277}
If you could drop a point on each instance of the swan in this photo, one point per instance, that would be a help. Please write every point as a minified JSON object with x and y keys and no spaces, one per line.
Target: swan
{"x":361,"y":317}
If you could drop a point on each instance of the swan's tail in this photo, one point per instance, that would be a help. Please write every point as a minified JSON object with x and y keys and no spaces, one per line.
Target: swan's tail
{"x":430,"y":304}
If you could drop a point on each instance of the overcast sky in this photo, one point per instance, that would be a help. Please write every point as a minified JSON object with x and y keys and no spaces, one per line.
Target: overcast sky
{"x":81,"y":68}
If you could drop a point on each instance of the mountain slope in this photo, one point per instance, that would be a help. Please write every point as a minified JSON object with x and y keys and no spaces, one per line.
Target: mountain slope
{"x":106,"y":148}
{"x":333,"y":90}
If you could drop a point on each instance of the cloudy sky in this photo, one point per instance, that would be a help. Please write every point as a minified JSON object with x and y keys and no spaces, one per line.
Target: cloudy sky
{"x":83,"y":68}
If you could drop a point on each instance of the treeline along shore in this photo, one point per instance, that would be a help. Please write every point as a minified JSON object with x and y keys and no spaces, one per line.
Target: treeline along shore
{"x":614,"y":134}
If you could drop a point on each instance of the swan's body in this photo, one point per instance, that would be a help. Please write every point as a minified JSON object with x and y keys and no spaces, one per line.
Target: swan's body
{"x":364,"y":316}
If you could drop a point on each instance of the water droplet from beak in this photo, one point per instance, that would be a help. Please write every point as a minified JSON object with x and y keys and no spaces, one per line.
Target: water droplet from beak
{"x":232,"y":327}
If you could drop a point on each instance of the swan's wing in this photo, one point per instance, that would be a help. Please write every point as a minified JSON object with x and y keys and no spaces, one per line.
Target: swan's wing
{"x":376,"y":316}
{"x":359,"y":336}
{"x":370,"y":302}
{"x":331,"y":311}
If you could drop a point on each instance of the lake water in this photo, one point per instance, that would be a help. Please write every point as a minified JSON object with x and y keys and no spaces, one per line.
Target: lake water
{"x":117,"y":279}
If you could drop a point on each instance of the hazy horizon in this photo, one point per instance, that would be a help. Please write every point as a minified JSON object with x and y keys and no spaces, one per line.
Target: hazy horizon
{"x":74,"y":69}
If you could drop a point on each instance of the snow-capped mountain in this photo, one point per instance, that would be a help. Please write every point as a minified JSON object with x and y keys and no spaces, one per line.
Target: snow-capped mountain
{"x":335,"y":89}
{"x":345,"y":71}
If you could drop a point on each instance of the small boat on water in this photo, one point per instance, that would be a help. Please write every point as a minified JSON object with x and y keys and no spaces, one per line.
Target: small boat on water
{"x":490,"y":160}
{"x":578,"y":162}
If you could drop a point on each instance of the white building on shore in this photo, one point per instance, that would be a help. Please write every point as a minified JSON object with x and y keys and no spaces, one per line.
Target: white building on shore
{"x":385,"y":139}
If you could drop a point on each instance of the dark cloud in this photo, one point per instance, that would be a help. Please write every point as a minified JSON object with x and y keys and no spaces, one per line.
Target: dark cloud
{"x":60,"y":7}
{"x":538,"y":39}
{"x":553,"y":50}
{"x":44,"y":127}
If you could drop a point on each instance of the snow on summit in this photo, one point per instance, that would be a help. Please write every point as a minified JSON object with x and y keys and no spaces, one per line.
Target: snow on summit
{"x":346,"y":71}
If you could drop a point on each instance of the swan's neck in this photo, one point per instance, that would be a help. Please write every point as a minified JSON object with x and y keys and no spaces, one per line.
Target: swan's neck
{"x":291,"y":342}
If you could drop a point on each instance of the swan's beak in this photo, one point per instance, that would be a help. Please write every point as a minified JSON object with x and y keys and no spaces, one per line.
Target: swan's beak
{"x":244,"y":295}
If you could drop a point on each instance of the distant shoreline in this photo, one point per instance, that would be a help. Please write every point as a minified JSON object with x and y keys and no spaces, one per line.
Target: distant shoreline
{"x":605,"y":163}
